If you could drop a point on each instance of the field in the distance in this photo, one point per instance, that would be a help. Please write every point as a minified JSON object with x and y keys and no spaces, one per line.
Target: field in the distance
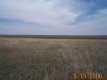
{"x":51,"y":59}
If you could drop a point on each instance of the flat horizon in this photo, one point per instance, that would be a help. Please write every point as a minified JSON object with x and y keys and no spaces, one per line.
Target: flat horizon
{"x":58,"y":36}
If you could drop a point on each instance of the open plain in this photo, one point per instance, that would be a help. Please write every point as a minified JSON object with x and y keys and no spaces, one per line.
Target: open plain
{"x":51,"y":59}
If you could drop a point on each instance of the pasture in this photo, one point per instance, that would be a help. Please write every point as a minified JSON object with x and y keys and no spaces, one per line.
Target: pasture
{"x":51,"y":59}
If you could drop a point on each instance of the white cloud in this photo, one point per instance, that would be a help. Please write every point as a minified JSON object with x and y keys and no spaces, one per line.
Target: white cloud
{"x":53,"y":18}
{"x":44,"y":12}
{"x":94,"y":25}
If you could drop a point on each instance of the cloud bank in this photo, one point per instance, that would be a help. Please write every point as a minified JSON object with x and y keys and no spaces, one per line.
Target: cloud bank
{"x":53,"y":17}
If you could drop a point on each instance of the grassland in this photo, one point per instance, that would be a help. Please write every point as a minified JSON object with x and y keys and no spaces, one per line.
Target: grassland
{"x":50,"y":59}
{"x":58,"y":36}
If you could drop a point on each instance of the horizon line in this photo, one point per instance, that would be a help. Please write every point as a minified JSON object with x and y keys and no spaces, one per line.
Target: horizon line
{"x":56,"y":36}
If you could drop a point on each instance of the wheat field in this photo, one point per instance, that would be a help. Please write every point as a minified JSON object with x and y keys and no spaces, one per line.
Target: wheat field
{"x":51,"y":59}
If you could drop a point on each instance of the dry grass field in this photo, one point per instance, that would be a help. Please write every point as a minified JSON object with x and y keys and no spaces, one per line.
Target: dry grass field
{"x":51,"y":59}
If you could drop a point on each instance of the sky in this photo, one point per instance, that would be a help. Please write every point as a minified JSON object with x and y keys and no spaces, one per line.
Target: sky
{"x":53,"y":17}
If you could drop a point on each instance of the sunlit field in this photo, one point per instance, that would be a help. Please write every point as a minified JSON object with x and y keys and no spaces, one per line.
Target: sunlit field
{"x":51,"y":59}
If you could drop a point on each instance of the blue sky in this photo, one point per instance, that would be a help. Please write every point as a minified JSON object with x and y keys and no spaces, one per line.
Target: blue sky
{"x":66,"y":17}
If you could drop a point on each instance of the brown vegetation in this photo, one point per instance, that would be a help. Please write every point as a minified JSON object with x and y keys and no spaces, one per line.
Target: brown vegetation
{"x":50,"y":59}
